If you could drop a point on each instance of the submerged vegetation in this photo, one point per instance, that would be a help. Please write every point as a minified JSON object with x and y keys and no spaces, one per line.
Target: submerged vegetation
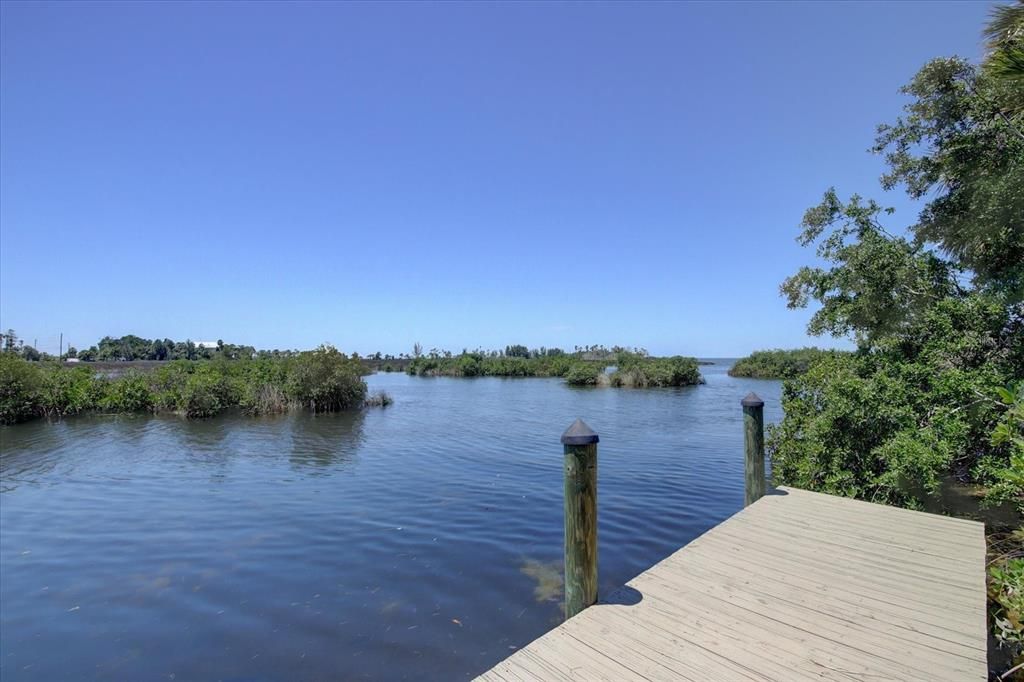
{"x":581,"y":368}
{"x":779,"y":364}
{"x":322,"y":380}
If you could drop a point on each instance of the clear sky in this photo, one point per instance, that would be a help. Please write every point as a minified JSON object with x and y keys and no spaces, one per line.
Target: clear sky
{"x":455,"y":174}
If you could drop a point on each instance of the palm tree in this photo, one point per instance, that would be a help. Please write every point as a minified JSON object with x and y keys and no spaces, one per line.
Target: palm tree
{"x":1005,"y":38}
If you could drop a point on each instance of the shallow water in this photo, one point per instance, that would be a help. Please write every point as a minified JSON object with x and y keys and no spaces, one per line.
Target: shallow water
{"x":420,"y":541}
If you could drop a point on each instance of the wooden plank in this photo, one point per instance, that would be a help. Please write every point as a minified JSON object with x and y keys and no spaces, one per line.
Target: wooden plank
{"x":907,"y":615}
{"x":907,"y":537}
{"x":905,"y":531}
{"x":857,"y":615}
{"x":798,"y":586}
{"x":859,"y":509}
{"x":831,"y":548}
{"x":850,"y":571}
{"x":722,"y":652}
{"x":846,"y":639}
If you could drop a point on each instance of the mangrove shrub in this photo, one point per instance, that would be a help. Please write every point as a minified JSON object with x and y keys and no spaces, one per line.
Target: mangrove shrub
{"x":779,"y":364}
{"x":322,"y":380}
{"x":936,"y":313}
{"x":639,"y":371}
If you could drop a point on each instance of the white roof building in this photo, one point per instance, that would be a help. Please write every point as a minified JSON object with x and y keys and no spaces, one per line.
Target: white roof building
{"x":212,"y":345}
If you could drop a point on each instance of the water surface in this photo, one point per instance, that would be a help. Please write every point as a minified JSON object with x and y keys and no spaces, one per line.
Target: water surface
{"x":420,"y":541}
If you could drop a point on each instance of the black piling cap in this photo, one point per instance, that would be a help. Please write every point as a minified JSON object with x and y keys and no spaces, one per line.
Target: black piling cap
{"x":752,"y":401}
{"x":579,"y":434}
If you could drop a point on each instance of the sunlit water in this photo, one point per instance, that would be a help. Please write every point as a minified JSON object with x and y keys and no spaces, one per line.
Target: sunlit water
{"x":420,"y":541}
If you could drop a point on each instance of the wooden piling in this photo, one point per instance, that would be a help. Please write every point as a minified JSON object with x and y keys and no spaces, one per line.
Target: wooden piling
{"x":753,"y":437}
{"x":580,"y":446}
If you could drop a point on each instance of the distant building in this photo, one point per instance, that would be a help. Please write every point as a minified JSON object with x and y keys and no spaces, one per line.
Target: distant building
{"x":211,"y":345}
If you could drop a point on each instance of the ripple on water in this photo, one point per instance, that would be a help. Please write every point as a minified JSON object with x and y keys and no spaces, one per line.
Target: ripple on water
{"x":422,"y":540}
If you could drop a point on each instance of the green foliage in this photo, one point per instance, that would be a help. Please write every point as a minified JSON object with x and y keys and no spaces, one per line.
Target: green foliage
{"x":130,"y":393}
{"x":65,"y":391}
{"x":1005,"y":34}
{"x":637,"y":371}
{"x":1006,"y":596}
{"x":1009,"y":434}
{"x":890,"y":422}
{"x":779,"y":364}
{"x":936,"y":315}
{"x":202,"y":395}
{"x":583,"y":373}
{"x":9,"y":341}
{"x":211,"y":388}
{"x":1006,"y":601}
{"x":876,"y":284}
{"x":320,"y":380}
{"x":325,"y":380}
{"x":132,"y":347}
{"x":168,"y":384}
{"x":266,"y":398}
{"x":19,"y":389}
{"x":584,"y":367}
{"x":848,"y":431}
{"x":517,"y":351}
{"x":481,"y":364}
{"x":958,"y":145}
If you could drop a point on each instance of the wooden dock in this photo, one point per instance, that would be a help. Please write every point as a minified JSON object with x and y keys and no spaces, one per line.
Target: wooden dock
{"x":797,"y":586}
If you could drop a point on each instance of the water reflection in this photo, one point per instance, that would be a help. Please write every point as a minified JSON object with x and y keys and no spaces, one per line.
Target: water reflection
{"x":30,"y":452}
{"x":326,"y":440}
{"x":230,"y":548}
{"x":204,"y":440}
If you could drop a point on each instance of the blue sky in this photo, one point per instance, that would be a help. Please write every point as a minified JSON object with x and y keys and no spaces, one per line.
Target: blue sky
{"x":374,"y":175}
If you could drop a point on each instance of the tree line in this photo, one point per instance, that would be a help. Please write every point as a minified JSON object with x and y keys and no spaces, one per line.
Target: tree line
{"x":779,"y":364}
{"x":584,"y":367}
{"x":131,"y":348}
{"x":321,"y":380}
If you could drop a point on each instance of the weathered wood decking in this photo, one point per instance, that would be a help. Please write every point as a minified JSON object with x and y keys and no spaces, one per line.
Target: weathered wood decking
{"x":797,"y":586}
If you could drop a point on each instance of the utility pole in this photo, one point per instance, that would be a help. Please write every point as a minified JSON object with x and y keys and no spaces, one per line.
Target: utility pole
{"x":60,"y":349}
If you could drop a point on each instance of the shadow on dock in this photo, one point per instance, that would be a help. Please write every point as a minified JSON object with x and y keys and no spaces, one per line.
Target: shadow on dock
{"x":623,"y":596}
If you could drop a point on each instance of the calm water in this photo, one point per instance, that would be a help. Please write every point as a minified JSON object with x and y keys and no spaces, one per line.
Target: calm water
{"x":421,"y":541}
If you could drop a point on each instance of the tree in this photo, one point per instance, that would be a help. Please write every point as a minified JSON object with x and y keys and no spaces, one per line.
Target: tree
{"x":325,"y":380}
{"x":956,"y":146}
{"x":1005,"y":37}
{"x":517,"y":351}
{"x":936,"y":311}
{"x":160,"y":350}
{"x":10,"y":340}
{"x":877,"y":284}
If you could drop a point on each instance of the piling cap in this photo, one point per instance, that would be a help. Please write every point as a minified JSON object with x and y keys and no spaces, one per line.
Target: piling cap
{"x":752,"y":400}
{"x":579,"y":434}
